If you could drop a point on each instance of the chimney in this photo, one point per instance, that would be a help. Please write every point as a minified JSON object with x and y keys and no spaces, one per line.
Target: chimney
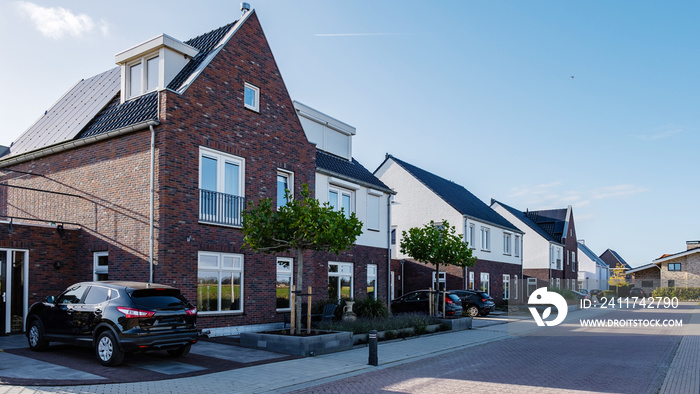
{"x":245,"y":7}
{"x":692,"y":245}
{"x":582,"y":241}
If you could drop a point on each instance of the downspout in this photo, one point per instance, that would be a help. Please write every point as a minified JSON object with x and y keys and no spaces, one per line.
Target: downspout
{"x":388,"y":249}
{"x":151,"y":219}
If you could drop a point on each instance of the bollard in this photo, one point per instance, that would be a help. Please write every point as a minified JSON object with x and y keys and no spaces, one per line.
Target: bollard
{"x":373,"y":359}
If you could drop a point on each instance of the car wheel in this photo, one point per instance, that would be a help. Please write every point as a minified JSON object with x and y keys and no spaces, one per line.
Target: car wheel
{"x":107,"y":350}
{"x":35,"y":336}
{"x":473,"y":311}
{"x":182,"y":351}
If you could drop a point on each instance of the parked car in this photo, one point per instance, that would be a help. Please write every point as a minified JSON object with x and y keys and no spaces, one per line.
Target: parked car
{"x":115,"y":318}
{"x":584,"y":291}
{"x":637,"y":292}
{"x":596,"y":293}
{"x":417,"y":301}
{"x":580,"y":296}
{"x":475,"y":302}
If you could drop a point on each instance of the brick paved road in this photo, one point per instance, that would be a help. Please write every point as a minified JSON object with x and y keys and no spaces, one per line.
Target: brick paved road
{"x":616,"y":361}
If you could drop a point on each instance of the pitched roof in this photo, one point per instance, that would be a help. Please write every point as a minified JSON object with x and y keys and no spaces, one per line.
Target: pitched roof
{"x":93,"y":107}
{"x":553,"y":221}
{"x":615,"y":261}
{"x":529,"y":222}
{"x":457,"y":196}
{"x":348,"y":170}
{"x":589,"y":253}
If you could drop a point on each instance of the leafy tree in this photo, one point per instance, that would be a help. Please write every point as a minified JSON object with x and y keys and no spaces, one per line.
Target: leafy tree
{"x":618,"y":279}
{"x":437,"y":243}
{"x":302,"y":224}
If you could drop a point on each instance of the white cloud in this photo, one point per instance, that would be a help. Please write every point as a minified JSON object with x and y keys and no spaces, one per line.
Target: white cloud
{"x":556,"y":195}
{"x":617,"y":191}
{"x":667,"y":133}
{"x":57,"y":22}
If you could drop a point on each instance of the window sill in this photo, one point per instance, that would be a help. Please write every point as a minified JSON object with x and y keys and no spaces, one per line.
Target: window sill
{"x":219,"y":224}
{"x":220,"y":313}
{"x":373,"y":229}
{"x":257,"y":111}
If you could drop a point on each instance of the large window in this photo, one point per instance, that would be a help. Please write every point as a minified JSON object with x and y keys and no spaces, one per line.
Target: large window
{"x":485,"y":239}
{"x":220,"y":282}
{"x":372,"y":281}
{"x":284,"y":183}
{"x":442,"y":281}
{"x":485,"y":283}
{"x":373,"y":211}
{"x":531,"y":286}
{"x":506,"y":287}
{"x":284,"y":282}
{"x":221,"y":187}
{"x":100,"y":266}
{"x":339,"y":280}
{"x":341,"y":199}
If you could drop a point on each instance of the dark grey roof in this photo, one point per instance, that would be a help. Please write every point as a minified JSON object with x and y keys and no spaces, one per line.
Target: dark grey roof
{"x":529,"y":222}
{"x":457,"y":196}
{"x":552,"y":221}
{"x":350,"y":170}
{"x":116,"y":116}
{"x":614,"y":260}
{"x":4,"y":150}
{"x":205,"y":44}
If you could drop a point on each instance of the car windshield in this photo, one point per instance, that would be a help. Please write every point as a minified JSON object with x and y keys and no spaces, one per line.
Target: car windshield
{"x":159,"y":298}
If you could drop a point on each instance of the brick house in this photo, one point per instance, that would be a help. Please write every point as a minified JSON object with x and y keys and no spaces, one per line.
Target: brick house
{"x":550,"y":248}
{"x":646,"y":277}
{"x":616,"y":263}
{"x":142,"y":172}
{"x":680,"y":269}
{"x":422,"y":197}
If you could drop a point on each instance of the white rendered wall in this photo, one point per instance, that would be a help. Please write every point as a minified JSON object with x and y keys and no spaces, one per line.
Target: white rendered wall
{"x":370,"y":237}
{"x":587,"y":268}
{"x":536,"y":249}
{"x":497,"y":252}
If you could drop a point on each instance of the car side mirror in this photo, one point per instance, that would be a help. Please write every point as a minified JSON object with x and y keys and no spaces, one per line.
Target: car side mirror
{"x":50,"y":299}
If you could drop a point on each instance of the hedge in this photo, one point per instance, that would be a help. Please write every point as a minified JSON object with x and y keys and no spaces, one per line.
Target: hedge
{"x":682,"y":293}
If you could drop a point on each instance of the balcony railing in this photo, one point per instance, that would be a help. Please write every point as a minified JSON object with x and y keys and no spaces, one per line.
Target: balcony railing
{"x":221,"y":208}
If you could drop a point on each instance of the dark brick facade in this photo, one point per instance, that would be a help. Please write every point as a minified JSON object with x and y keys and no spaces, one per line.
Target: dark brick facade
{"x":107,"y":189}
{"x":417,"y":276}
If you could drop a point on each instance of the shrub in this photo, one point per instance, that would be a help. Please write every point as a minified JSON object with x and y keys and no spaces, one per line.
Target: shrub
{"x":370,"y":308}
{"x":389,"y":335}
{"x":682,"y":293}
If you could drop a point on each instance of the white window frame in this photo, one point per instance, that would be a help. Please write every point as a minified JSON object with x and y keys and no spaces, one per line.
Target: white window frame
{"x":507,"y":243}
{"x":506,"y":287}
{"x":573,"y":261}
{"x":221,"y":160}
{"x":485,"y":279}
{"x":340,"y":192}
{"x":99,"y":269}
{"x":472,"y":235}
{"x":485,"y":239}
{"x":287,"y":272}
{"x":143,"y":61}
{"x":442,"y":282}
{"x":515,"y":287}
{"x":372,"y":274}
{"x":290,"y":184}
{"x":256,"y":96}
{"x":531,"y":282}
{"x":373,"y":210}
{"x":340,"y":273}
{"x":220,"y":269}
{"x":558,"y":283}
{"x":559,"y":267}
{"x":471,"y":280}
{"x":516,"y":249}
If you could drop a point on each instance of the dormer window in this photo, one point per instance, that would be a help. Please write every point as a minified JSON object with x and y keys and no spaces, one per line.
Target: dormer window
{"x":152,"y":65}
{"x":144,"y":76}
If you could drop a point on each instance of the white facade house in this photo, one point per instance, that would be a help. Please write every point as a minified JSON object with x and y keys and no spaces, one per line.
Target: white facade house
{"x":342,"y":181}
{"x":423,"y":197}
{"x":593,"y":273}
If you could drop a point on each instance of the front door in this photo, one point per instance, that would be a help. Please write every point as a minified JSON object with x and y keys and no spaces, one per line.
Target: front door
{"x":13,"y":290}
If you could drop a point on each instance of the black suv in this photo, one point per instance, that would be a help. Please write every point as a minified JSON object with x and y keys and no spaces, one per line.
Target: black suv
{"x":418,"y":301}
{"x":475,"y":302}
{"x":115,"y":318}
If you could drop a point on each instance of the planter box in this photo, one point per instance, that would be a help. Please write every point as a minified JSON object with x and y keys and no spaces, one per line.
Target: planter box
{"x":462,"y":323}
{"x":322,"y":343}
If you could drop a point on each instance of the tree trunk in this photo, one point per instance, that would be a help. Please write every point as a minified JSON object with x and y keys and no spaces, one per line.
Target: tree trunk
{"x":300,"y":271}
{"x":436,"y":285}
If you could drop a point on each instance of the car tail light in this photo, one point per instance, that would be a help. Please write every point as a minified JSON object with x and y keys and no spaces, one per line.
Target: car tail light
{"x":132,"y":312}
{"x":484,"y":299}
{"x":191,"y":312}
{"x":448,"y":300}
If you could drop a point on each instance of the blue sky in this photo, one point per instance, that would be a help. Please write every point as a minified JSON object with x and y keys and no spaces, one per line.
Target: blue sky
{"x":538,"y":104}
